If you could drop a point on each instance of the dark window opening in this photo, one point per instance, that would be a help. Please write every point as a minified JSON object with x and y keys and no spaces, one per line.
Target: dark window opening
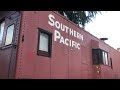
{"x":111,"y":63}
{"x":97,"y":56}
{"x":44,"y":43}
{"x":100,"y":56}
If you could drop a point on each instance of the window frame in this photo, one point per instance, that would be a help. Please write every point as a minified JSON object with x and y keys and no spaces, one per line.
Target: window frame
{"x":111,"y":64}
{"x":104,"y":59}
{"x":100,"y":58}
{"x":1,"y":21}
{"x":12,"y":34}
{"x":44,"y":53}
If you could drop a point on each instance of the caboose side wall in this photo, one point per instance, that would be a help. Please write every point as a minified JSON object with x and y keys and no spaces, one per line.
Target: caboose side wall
{"x":116,"y":60}
{"x":29,"y":65}
{"x":9,"y":34}
{"x":65,"y":62}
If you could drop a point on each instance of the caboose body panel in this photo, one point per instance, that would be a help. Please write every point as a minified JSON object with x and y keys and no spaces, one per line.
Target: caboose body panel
{"x":46,"y":45}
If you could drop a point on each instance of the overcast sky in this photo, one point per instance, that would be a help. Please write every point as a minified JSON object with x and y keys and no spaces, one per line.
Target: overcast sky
{"x":106,"y":24}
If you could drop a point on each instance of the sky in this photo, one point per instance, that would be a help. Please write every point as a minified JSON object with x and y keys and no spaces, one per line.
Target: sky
{"x":106,"y":25}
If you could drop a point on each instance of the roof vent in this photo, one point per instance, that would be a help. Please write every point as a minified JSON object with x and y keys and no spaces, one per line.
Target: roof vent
{"x":103,"y":39}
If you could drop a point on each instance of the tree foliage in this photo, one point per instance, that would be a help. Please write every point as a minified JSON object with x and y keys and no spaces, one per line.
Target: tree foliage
{"x":80,"y":17}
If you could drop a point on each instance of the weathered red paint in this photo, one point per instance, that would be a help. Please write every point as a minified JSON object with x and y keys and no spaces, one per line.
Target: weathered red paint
{"x":65,"y":62}
{"x":8,"y":53}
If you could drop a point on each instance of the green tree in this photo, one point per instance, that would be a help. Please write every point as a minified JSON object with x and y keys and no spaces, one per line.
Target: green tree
{"x":80,"y":17}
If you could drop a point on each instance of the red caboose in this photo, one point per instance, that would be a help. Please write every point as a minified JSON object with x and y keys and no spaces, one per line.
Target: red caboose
{"x":46,"y":45}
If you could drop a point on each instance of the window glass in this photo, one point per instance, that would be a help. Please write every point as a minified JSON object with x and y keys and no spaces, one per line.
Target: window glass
{"x":2,"y":25}
{"x":43,"y":45}
{"x":9,"y":35}
{"x":106,"y":58}
{"x":103,"y":57}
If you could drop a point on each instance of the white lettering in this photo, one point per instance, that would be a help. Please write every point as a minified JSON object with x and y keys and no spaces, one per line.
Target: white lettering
{"x":78,"y":46}
{"x":66,"y":40}
{"x":51,"y":17}
{"x":78,"y":35}
{"x":62,"y":40}
{"x":71,"y":31}
{"x":57,"y":24}
{"x":62,"y":27}
{"x":66,"y":29}
{"x":73,"y":43}
{"x":81,"y":37}
{"x":56,"y":35}
{"x":70,"y":43}
{"x":74,"y":33}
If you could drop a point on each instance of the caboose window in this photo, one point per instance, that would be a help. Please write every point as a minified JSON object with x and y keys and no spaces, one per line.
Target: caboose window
{"x":9,"y":35}
{"x":97,"y":56}
{"x":105,"y":57}
{"x":100,"y":56}
{"x":44,"y":43}
{"x":111,"y":63}
{"x":2,"y":25}
{"x":43,"y":46}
